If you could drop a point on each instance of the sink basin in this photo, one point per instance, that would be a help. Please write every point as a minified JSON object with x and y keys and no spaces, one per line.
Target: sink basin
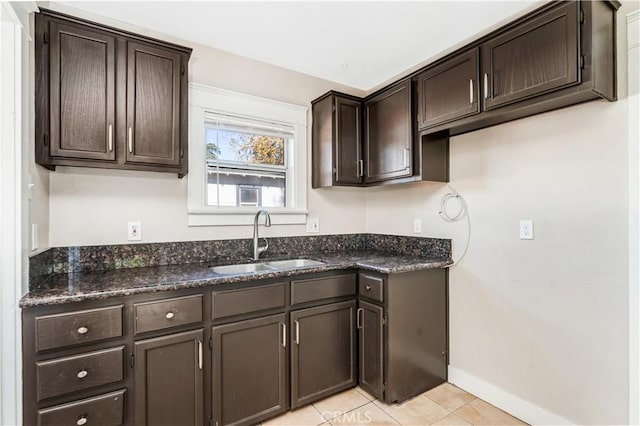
{"x":245,"y":268}
{"x":294,"y":263}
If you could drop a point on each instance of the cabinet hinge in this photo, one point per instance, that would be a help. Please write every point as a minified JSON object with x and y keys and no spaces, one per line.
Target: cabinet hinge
{"x":182,"y":153}
{"x":132,"y":359}
{"x":384,"y":320}
{"x":46,"y":37}
{"x":46,"y":139}
{"x":333,"y":108}
{"x":582,"y":16}
{"x":181,"y":69}
{"x":210,"y":343}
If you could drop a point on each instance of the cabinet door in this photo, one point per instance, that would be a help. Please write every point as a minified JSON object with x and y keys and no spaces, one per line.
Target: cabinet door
{"x":81,"y":92}
{"x":348,"y":151}
{"x":323,"y":351}
{"x":388,"y":138}
{"x":249,"y":370}
{"x":537,"y":57}
{"x":449,"y":91}
{"x":153,"y":105}
{"x":371,"y":339}
{"x":168,"y":380}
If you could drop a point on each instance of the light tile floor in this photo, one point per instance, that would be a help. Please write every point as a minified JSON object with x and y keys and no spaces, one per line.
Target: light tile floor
{"x":443,"y":405}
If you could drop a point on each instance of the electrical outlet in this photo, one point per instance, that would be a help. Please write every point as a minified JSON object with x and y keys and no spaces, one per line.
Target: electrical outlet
{"x":526,"y":229}
{"x":313,"y":225}
{"x":134,"y":231}
{"x":417,"y":226}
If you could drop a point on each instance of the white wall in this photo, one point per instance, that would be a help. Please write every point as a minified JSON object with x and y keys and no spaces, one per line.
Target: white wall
{"x":543,"y":320}
{"x":92,"y":206}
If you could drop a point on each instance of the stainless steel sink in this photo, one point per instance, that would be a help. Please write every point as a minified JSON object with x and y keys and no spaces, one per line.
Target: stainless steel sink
{"x":294,"y":263}
{"x":245,"y":268}
{"x":248,"y":268}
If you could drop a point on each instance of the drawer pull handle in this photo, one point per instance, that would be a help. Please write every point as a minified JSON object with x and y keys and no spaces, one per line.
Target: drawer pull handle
{"x":82,"y":421}
{"x":169,"y":315}
{"x":367,"y":287}
{"x":82,"y":374}
{"x":83,"y":330}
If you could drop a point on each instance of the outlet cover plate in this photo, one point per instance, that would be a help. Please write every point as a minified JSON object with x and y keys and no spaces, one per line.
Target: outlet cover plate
{"x":313,"y":225}
{"x":134,"y":231}
{"x":526,"y":229}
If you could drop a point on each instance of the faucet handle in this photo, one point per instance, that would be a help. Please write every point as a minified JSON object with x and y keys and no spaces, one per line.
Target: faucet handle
{"x":266,"y":244}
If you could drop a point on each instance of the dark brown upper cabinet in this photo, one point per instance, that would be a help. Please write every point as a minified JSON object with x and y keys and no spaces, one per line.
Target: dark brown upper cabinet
{"x":449,"y":91}
{"x":389,"y":134}
{"x":559,"y":55}
{"x":538,"y":56}
{"x":153,"y":105}
{"x":337,"y":141}
{"x":108,"y":98}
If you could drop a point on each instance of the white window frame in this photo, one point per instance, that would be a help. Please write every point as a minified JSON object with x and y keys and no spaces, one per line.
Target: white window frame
{"x":205,"y":99}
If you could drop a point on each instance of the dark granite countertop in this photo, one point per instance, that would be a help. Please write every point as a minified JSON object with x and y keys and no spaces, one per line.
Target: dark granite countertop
{"x":79,"y":286}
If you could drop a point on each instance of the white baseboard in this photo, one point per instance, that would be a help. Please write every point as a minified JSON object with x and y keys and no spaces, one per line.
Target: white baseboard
{"x":504,"y":400}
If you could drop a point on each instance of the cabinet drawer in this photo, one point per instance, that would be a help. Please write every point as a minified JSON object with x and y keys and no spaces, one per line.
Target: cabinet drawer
{"x":73,"y":373}
{"x":104,"y":410}
{"x":166,"y":313}
{"x":246,"y":300}
{"x":73,"y":328}
{"x":322,"y":288}
{"x":371,"y":287}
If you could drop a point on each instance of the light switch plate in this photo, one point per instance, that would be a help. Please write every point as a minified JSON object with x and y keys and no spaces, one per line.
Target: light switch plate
{"x":417,"y":226}
{"x":526,"y":229}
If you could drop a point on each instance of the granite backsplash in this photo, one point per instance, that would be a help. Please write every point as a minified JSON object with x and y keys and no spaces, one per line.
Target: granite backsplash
{"x":61,"y":260}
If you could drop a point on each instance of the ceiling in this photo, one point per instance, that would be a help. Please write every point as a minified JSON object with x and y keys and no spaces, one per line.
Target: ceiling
{"x":356,"y":43}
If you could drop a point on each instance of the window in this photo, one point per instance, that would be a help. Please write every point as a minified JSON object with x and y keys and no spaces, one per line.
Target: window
{"x":247,"y":161}
{"x":245,"y":154}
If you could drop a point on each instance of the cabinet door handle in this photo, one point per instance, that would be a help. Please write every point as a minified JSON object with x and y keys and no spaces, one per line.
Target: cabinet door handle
{"x":486,"y":85}
{"x":367,"y":287}
{"x":82,"y":374}
{"x":110,"y":137}
{"x":130,"y":139}
{"x":200,"y":354}
{"x":407,"y":154}
{"x":297,"y":332}
{"x":470,"y":90}
{"x":83,"y":330}
{"x":82,"y":421}
{"x":284,"y":335}
{"x":359,"y":321}
{"x":360,"y":168}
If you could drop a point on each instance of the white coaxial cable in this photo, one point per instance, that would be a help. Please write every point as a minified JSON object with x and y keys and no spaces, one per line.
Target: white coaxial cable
{"x":462,"y":213}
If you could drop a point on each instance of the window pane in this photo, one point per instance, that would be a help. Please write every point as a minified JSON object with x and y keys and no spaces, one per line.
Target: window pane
{"x":245,"y":147}
{"x":237,"y":187}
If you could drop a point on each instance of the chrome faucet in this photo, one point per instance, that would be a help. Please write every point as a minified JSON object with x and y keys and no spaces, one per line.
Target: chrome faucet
{"x":256,"y":247}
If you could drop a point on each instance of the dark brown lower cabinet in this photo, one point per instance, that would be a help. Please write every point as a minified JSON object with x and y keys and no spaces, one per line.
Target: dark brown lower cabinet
{"x":168,"y":380}
{"x":323,"y":351}
{"x":371,"y":340}
{"x":403,"y":340}
{"x":249,"y":370}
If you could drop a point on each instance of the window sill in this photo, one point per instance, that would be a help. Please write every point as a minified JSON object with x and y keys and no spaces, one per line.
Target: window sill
{"x":230,"y":217}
